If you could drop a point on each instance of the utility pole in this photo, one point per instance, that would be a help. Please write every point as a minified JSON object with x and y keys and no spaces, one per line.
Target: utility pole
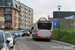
{"x":59,"y":7}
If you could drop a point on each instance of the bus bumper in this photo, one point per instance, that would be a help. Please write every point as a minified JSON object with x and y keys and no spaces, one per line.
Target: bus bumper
{"x":39,"y":37}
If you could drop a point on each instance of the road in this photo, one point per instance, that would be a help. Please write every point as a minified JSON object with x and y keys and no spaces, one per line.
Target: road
{"x":27,"y":43}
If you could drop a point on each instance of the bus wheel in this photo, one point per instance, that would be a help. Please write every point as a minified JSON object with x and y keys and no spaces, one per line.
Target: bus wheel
{"x":49,"y":39}
{"x":32,"y":37}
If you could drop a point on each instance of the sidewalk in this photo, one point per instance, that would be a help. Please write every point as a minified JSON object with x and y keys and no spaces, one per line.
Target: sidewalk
{"x":63,"y":43}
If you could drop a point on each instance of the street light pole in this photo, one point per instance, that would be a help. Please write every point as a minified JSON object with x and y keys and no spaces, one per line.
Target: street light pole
{"x":59,"y":7}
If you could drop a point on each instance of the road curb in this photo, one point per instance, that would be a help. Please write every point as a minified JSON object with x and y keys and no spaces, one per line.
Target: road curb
{"x":63,"y":43}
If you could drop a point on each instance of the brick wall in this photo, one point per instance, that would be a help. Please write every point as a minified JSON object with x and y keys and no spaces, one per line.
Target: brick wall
{"x":1,"y":10}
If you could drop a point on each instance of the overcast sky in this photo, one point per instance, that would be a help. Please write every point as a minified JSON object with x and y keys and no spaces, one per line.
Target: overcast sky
{"x":42,"y":8}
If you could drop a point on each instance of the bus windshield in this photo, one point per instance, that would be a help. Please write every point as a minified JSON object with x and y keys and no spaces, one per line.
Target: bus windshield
{"x":45,"y":26}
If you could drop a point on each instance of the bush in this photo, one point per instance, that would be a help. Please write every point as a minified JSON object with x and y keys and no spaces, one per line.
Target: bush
{"x":2,"y":29}
{"x":65,"y":35}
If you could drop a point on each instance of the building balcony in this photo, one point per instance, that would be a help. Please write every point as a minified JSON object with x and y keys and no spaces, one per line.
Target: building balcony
{"x":29,"y":21}
{"x":8,"y":25}
{"x":8,"y":13}
{"x":10,"y":20}
{"x":29,"y":17}
{"x":30,"y":10}
{"x":9,"y":5}
{"x":26,"y":24}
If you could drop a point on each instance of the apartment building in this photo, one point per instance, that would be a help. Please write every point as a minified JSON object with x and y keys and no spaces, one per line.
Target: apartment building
{"x":8,"y":9}
{"x":17,"y":15}
{"x":26,"y":17}
{"x":2,"y":20}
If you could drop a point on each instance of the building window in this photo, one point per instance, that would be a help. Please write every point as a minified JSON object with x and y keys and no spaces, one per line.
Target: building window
{"x":30,"y":10}
{"x":20,"y":8}
{"x":8,"y":24}
{"x":7,"y":10}
{"x":25,"y":16}
{"x":29,"y":17}
{"x":25,"y":24}
{"x":8,"y":3}
{"x":7,"y":17}
{"x":15,"y":11}
{"x":29,"y":21}
{"x":29,"y":25}
{"x":16,"y":6}
{"x":25,"y":20}
{"x":25,"y":8}
{"x":18,"y":19}
{"x":15,"y":17}
{"x":15,"y":24}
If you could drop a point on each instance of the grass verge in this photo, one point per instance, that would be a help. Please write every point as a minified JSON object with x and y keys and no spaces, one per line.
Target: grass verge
{"x":67,"y":36}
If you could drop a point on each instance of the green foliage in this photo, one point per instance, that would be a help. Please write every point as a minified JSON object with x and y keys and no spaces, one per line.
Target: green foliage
{"x":66,"y":35}
{"x":2,"y":29}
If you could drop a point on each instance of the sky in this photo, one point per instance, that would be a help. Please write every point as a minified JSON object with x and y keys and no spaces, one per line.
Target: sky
{"x":43,"y":8}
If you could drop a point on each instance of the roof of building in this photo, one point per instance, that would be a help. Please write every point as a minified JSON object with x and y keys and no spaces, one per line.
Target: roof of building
{"x":1,"y":15}
{"x":64,"y":11}
{"x":25,"y":5}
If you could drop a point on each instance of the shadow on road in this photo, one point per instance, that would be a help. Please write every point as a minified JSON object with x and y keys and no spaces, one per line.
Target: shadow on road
{"x":42,"y":40}
{"x":29,"y":39}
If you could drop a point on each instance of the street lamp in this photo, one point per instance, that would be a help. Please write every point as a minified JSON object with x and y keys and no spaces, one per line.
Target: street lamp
{"x":59,"y":7}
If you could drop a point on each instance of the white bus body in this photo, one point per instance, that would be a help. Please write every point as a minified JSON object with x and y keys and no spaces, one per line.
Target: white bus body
{"x":43,"y":29}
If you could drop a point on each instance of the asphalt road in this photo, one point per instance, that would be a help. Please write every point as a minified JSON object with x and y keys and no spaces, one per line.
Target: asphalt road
{"x":27,"y":43}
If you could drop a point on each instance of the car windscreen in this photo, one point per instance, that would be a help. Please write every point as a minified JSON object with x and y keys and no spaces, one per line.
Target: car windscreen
{"x":7,"y":34}
{"x":45,"y":26}
{"x":18,"y":32}
{"x":15,"y":32}
{"x":1,"y":38}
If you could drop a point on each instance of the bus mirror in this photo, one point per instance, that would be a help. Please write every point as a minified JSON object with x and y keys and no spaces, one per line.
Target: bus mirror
{"x":32,"y":28}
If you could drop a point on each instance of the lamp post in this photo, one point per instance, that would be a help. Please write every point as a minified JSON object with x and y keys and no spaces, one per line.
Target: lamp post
{"x":59,"y":7}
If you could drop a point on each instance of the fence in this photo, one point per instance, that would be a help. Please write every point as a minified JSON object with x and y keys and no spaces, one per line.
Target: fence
{"x":66,"y":24}
{"x":65,"y":31}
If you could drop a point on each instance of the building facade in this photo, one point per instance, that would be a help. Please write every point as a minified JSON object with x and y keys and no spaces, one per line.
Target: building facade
{"x":17,"y":15}
{"x":2,"y":20}
{"x":26,"y":17}
{"x":63,"y":14}
{"x":8,"y":9}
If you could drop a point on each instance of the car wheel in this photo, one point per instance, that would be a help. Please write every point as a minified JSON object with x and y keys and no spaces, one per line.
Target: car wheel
{"x":28,"y":35}
{"x":14,"y":43}
{"x":12,"y":47}
{"x":14,"y":37}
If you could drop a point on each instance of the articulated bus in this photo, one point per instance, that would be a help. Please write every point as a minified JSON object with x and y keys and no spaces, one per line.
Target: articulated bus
{"x":42,"y":30}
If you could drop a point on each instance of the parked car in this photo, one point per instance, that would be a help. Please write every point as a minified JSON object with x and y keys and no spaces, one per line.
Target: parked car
{"x":20,"y":33}
{"x":3,"y":41}
{"x":12,"y":33}
{"x":16,"y":33}
{"x":25,"y":33}
{"x":10,"y":38}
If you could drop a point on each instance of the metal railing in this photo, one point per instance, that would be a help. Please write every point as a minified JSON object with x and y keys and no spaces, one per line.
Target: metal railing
{"x":67,"y":24}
